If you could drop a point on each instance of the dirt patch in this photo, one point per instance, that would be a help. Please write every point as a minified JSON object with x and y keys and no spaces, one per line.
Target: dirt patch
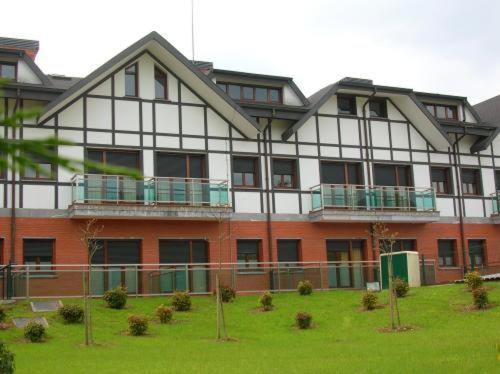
{"x":403,"y":328}
{"x":378,"y":306}
{"x":474,"y":308}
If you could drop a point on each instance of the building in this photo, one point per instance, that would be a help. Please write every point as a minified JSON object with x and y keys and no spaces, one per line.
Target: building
{"x":217,"y":148}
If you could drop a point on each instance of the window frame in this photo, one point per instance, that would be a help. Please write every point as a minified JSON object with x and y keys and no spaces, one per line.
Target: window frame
{"x":454,"y":254}
{"x":294,"y":174}
{"x":190,"y":243}
{"x":39,"y":176}
{"x":345,"y":165}
{"x":398,"y":244}
{"x":187,"y":157}
{"x":242,"y":86}
{"x":352,"y":101}
{"x":256,"y":171}
{"x":483,"y":251}
{"x":247,"y":266}
{"x":164,"y":76}
{"x":37,"y":266}
{"x":105,"y":151}
{"x":136,"y":79}
{"x":298,"y":250}
{"x":478,"y":186}
{"x":383,"y":103}
{"x":448,"y":180}
{"x":497,"y":180}
{"x":410,"y":181}
{"x":2,"y":63}
{"x":434,"y":106}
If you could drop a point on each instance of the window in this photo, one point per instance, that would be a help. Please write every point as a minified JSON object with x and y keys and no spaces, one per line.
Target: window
{"x":497,"y":180}
{"x":441,"y":180}
{"x":8,"y":70}
{"x":127,"y":159}
{"x":248,"y":253}
{"x":161,"y":91}
{"x":288,"y":250}
{"x":446,"y":252}
{"x":399,"y":245}
{"x":131,"y":88}
{"x":252,"y":93}
{"x":174,"y":251}
{"x":392,"y":175}
{"x":341,"y":173}
{"x":117,"y":252}
{"x":38,"y":252}
{"x":449,"y":112}
{"x":471,"y":182}
{"x":179,"y":165}
{"x":341,"y":274}
{"x":346,"y":105}
{"x":245,"y":172}
{"x":378,"y":108}
{"x":44,"y":171}
{"x":284,"y":173}
{"x":477,"y":253}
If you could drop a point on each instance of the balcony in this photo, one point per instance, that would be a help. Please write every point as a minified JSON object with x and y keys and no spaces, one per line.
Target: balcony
{"x":495,"y":207}
{"x":357,"y":203}
{"x":114,"y":196}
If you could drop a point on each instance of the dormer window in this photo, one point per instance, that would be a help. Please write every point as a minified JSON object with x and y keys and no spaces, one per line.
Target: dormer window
{"x":8,"y":70}
{"x":131,"y":88}
{"x":346,"y":105}
{"x":161,"y":91}
{"x":449,"y":112}
{"x":259,"y":94}
{"x":378,"y":108}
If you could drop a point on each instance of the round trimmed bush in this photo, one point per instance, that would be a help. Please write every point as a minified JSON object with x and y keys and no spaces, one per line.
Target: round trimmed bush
{"x":181,"y":301}
{"x":303,"y":320}
{"x":266,"y":301}
{"x":473,"y":280}
{"x":369,"y":300}
{"x":71,"y":313}
{"x":227,"y":294}
{"x":116,"y":298}
{"x":305,"y":288}
{"x":164,"y":313}
{"x":34,"y":332}
{"x":480,"y":297}
{"x":137,"y":325}
{"x":6,"y":360}
{"x":401,"y":287}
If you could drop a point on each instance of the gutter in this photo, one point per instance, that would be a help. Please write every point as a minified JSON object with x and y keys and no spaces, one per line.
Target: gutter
{"x":460,"y":203}
{"x":12,"y":257}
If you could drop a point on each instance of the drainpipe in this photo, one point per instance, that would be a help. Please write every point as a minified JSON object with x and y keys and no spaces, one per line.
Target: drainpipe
{"x":268,"y":190}
{"x":12,"y":258}
{"x":460,"y":202}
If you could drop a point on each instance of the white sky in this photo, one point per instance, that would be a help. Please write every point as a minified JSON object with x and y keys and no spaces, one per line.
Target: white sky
{"x":445,"y":46}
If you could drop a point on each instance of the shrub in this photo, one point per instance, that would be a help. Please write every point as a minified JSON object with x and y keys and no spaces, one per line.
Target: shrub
{"x":181,"y":301}
{"x":116,"y":298}
{"x":401,"y":287}
{"x":227,"y":294}
{"x":305,"y":287}
{"x":303,"y":320}
{"x":369,"y":300}
{"x":473,"y":280}
{"x":164,"y":313}
{"x":71,"y":313}
{"x":34,"y":331}
{"x":137,"y":325}
{"x":3,"y":315}
{"x":266,"y":300}
{"x":6,"y":360}
{"x":480,"y":297}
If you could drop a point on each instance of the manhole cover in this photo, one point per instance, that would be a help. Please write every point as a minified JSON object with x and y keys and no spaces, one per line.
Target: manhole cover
{"x":45,"y":306}
{"x":23,"y":321}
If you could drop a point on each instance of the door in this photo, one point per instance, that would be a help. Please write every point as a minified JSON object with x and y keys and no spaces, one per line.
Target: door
{"x":347,"y":271}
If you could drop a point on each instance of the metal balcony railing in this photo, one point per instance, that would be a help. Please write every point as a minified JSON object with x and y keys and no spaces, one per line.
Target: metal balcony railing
{"x":360,"y":197}
{"x":495,"y":203}
{"x":116,"y":189}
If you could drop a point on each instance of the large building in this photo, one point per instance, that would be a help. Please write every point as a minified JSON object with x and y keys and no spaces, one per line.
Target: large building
{"x":242,"y":167}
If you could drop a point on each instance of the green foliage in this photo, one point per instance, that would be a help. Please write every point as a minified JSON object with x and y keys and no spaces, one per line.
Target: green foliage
{"x":116,"y":298}
{"x":305,"y":287}
{"x":34,"y":332}
{"x":473,"y":280}
{"x":227,"y":294}
{"x":3,"y":315}
{"x":266,"y":301}
{"x":303,"y":320}
{"x":400,"y":286}
{"x":164,"y":313}
{"x":181,"y":301}
{"x":6,"y":360}
{"x":137,"y":325}
{"x":71,"y":313}
{"x":480,"y":297}
{"x":369,"y":300}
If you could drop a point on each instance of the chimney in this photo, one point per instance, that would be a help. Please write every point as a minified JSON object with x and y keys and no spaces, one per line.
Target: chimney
{"x":30,"y":47}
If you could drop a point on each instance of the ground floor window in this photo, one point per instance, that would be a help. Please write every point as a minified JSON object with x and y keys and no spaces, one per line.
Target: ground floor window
{"x":446,"y":252}
{"x":248,"y":253}
{"x":183,"y":251}
{"x":477,"y":253}
{"x":344,"y":268}
{"x":38,"y":252}
{"x":398,"y":245}
{"x":288,"y":250}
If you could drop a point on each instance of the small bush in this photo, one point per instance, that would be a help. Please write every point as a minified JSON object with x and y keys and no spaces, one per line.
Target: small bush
{"x":116,"y":298}
{"x":71,"y":313}
{"x":6,"y":360}
{"x":305,"y":288}
{"x":227,"y":294}
{"x":34,"y":332}
{"x":266,"y":301}
{"x":181,"y":301}
{"x":137,"y":325}
{"x":401,"y":287}
{"x":3,"y":315}
{"x":164,"y":313}
{"x":303,"y":320}
{"x":369,"y":300}
{"x":480,"y":297}
{"x":473,"y":280}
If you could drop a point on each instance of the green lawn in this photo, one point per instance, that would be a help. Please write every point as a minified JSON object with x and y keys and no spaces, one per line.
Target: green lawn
{"x":344,"y":339}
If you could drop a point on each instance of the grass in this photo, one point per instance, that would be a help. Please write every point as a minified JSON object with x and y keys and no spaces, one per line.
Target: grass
{"x":447,"y":338}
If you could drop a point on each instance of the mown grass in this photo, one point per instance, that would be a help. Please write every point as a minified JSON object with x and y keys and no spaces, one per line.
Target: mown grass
{"x":447,"y":338}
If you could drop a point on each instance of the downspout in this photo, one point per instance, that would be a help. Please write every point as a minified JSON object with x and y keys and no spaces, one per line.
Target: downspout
{"x":268,"y":191}
{"x":460,"y":203}
{"x":12,"y":258}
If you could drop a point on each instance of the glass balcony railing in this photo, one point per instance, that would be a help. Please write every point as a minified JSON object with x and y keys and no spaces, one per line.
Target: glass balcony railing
{"x":495,"y":203}
{"x":115,"y":189}
{"x":354,"y":197}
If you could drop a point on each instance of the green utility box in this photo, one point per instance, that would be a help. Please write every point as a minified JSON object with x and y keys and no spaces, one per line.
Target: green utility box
{"x":405,"y":265}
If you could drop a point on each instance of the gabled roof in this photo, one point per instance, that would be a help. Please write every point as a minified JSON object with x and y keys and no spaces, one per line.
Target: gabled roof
{"x":181,"y":65}
{"x":489,"y":110}
{"x":21,"y":54}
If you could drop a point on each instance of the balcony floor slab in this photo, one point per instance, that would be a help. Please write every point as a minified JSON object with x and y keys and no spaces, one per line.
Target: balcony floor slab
{"x":331,"y":215}
{"x":495,"y":219}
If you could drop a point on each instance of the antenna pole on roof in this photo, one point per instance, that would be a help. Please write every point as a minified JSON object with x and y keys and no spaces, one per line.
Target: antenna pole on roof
{"x":192,"y":28}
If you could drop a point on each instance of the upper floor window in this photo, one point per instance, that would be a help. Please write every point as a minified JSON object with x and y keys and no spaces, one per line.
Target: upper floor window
{"x":392,"y":175}
{"x":245,"y":172}
{"x":260,"y":94}
{"x":477,"y":252}
{"x":443,"y":111}
{"x":8,"y":70}
{"x":341,"y":173}
{"x":446,"y":252}
{"x":471,"y":182}
{"x":38,"y":251}
{"x":179,"y":165}
{"x":441,"y":180}
{"x":497,"y":179}
{"x":131,"y":86}
{"x":111,"y":157}
{"x":346,"y":105}
{"x":284,"y":173}
{"x":44,"y":169}
{"x":378,"y":108}
{"x":161,"y":91}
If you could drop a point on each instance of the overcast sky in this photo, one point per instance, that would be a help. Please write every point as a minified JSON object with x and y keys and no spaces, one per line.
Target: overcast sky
{"x":450,"y":47}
